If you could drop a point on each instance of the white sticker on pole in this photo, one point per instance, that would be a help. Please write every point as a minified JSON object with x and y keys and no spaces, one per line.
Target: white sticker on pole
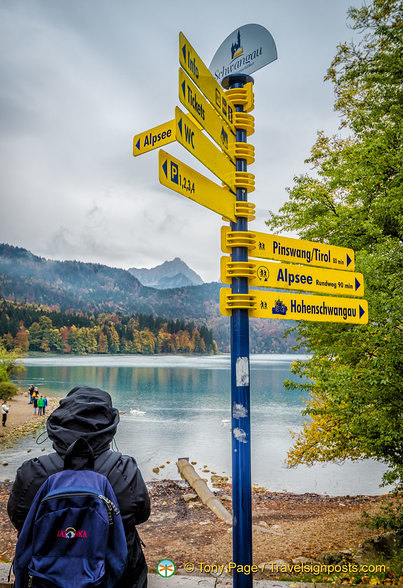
{"x":242,"y":371}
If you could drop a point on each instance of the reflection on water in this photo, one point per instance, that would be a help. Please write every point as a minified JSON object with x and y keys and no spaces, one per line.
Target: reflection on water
{"x":186,"y":403}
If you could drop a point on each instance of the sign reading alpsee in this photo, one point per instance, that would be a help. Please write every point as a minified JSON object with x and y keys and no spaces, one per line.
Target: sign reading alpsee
{"x":269,"y":274}
{"x":244,"y":51}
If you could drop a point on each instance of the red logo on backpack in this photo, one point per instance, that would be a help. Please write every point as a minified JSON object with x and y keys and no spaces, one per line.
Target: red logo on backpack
{"x":71,"y":533}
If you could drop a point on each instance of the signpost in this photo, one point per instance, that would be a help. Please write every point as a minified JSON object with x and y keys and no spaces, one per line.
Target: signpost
{"x":189,"y":136}
{"x":181,"y":178}
{"x":312,"y":267}
{"x":266,"y":274}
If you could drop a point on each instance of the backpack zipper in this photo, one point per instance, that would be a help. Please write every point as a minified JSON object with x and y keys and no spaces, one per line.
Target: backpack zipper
{"x":111,"y":506}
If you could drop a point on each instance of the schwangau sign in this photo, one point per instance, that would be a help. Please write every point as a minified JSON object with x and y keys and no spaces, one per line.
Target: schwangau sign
{"x":244,"y":51}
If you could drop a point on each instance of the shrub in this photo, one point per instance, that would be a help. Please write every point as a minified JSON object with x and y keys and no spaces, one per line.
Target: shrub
{"x":8,"y":390}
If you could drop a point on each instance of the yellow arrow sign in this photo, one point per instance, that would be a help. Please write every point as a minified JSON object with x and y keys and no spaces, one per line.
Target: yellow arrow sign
{"x":308,"y":307}
{"x":154,"y":138}
{"x":266,"y":274}
{"x":205,"y":115}
{"x":188,"y":135}
{"x":291,"y":250}
{"x":204,"y":79}
{"x":186,"y":181}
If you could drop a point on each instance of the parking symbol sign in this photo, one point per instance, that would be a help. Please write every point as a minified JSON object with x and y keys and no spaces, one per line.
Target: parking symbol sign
{"x":174,"y":173}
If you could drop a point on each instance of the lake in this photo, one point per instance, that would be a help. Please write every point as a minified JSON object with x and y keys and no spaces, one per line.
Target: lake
{"x":186,"y":405}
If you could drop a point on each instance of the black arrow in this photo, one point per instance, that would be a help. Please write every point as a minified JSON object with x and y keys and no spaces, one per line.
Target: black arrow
{"x":183,"y":88}
{"x":165,"y":168}
{"x":180,"y":126}
{"x":348,"y":260}
{"x":362,"y":311}
{"x":138,"y":144}
{"x":357,"y":284}
{"x":184,"y":52}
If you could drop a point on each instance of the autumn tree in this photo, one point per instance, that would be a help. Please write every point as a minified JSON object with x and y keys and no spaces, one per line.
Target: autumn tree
{"x":353,"y":198}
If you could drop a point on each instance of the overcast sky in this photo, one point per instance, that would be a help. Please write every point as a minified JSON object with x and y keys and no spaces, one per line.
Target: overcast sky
{"x":79,"y":78}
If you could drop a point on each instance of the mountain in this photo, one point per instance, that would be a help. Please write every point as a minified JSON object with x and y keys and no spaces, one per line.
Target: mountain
{"x":170,"y":274}
{"x":95,"y":288}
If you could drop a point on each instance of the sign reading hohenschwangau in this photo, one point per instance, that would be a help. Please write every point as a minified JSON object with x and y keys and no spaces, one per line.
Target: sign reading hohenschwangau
{"x":244,"y":51}
{"x":269,"y":274}
{"x":294,"y":250}
{"x":154,"y":138}
{"x":307,"y":307}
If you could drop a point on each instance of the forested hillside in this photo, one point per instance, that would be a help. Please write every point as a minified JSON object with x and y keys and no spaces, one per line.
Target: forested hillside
{"x":77,"y":287}
{"x":38,"y":328}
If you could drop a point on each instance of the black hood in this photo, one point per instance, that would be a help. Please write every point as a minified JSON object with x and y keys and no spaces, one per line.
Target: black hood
{"x":86,"y":413}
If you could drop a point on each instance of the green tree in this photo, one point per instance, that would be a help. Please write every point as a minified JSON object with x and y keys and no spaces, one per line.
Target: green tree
{"x":9,"y":364}
{"x":354,"y":199}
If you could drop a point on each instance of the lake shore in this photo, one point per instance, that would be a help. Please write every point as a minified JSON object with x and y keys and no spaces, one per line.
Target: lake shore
{"x":287,"y":526}
{"x":21,"y":419}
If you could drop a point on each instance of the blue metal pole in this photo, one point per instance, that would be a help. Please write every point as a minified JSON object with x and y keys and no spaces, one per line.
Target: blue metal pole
{"x":240,"y":395}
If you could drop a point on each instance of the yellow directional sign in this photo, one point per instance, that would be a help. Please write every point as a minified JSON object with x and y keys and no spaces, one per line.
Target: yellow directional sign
{"x":188,"y":135}
{"x":268,"y":274}
{"x":186,"y":181}
{"x":154,"y":138}
{"x":307,"y":307}
{"x":205,"y":115}
{"x":292,"y":250}
{"x":204,"y":79}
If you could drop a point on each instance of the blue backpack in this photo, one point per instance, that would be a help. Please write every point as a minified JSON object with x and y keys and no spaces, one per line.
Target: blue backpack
{"x":73,"y":536}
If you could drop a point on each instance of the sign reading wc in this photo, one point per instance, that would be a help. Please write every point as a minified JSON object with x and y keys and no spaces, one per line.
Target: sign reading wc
{"x":246,"y":50}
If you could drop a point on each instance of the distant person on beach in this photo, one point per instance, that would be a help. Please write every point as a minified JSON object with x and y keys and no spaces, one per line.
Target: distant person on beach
{"x":87,"y":414}
{"x":31,"y":391}
{"x":35,"y":403}
{"x":40,"y":406}
{"x":45,"y":403}
{"x":4,"y":412}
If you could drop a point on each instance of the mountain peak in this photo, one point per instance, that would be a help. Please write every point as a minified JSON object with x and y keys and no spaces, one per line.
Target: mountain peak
{"x":169,"y":274}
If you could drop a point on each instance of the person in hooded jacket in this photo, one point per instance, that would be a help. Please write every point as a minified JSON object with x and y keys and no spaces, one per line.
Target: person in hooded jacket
{"x":88,"y":413}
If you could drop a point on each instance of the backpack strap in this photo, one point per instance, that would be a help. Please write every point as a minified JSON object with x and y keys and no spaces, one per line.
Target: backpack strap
{"x":52,"y":462}
{"x":105,"y":462}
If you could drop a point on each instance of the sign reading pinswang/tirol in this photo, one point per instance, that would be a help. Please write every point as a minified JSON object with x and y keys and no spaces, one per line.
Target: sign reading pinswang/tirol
{"x":188,"y":135}
{"x":154,"y":138}
{"x":293,"y":250}
{"x":205,"y":114}
{"x":186,"y":181}
{"x":307,"y":307}
{"x":204,"y":80}
{"x":269,"y":274}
